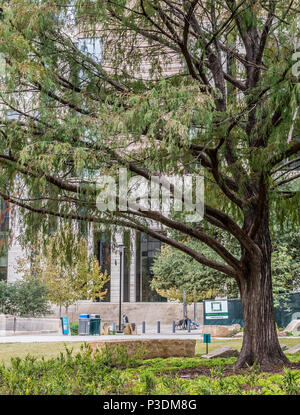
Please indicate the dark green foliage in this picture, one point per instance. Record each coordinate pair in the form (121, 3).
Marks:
(290, 384)
(74, 328)
(24, 299)
(177, 270)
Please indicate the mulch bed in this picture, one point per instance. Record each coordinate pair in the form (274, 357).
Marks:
(229, 370)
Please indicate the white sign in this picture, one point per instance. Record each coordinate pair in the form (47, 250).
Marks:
(217, 309)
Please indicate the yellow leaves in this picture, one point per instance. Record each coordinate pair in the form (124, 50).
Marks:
(67, 279)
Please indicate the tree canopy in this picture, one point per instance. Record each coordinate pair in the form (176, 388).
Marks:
(169, 88)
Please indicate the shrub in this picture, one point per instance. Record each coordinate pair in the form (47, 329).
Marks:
(74, 328)
(24, 298)
(289, 383)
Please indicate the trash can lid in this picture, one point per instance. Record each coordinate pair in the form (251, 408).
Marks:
(94, 315)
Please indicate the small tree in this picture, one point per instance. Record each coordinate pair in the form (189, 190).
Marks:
(24, 298)
(66, 269)
(175, 271)
(285, 265)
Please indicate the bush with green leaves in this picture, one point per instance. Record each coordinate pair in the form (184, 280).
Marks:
(24, 299)
(111, 371)
(74, 326)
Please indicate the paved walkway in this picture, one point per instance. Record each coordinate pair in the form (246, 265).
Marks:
(151, 333)
(59, 338)
(47, 338)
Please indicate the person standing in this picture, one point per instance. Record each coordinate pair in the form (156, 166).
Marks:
(125, 318)
(187, 320)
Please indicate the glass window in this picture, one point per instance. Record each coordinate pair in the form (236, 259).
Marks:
(67, 14)
(4, 228)
(91, 46)
(103, 254)
(4, 216)
(12, 115)
(147, 247)
(293, 166)
(138, 266)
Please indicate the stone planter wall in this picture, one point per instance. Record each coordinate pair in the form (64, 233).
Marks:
(150, 348)
(11, 325)
(137, 312)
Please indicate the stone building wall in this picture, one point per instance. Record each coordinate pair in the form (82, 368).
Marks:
(137, 312)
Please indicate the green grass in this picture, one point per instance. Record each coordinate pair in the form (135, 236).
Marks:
(235, 344)
(51, 350)
(46, 350)
(79, 372)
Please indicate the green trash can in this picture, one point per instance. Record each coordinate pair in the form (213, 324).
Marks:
(95, 324)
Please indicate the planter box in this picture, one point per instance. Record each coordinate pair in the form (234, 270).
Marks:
(150, 347)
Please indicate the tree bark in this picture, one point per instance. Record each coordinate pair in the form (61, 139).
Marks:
(260, 340)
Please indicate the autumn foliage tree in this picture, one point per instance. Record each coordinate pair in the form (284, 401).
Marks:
(192, 86)
(63, 266)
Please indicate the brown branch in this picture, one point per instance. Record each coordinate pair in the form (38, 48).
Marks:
(184, 248)
(290, 179)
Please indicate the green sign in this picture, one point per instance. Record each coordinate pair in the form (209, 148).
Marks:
(206, 338)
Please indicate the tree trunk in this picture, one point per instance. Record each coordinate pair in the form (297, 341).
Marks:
(260, 341)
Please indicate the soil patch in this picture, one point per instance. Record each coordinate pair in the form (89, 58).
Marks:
(229, 370)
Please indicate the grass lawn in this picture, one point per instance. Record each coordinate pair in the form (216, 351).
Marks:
(47, 350)
(76, 371)
(50, 350)
(236, 344)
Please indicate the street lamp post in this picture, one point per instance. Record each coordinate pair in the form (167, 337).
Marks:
(121, 250)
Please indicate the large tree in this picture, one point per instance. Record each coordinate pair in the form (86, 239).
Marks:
(182, 85)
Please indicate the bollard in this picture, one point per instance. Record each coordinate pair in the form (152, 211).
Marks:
(173, 327)
(158, 327)
(143, 327)
(114, 328)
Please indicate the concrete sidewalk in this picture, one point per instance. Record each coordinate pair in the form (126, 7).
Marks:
(60, 338)
(150, 330)
(46, 338)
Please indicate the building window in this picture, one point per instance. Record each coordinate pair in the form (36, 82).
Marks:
(12, 115)
(146, 249)
(4, 228)
(92, 47)
(126, 264)
(296, 164)
(103, 254)
(84, 73)
(138, 278)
